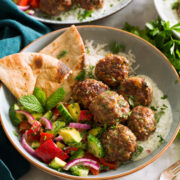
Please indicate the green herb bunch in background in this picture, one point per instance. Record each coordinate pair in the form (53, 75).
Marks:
(160, 34)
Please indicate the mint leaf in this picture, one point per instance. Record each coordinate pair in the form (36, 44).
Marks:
(55, 98)
(40, 95)
(31, 103)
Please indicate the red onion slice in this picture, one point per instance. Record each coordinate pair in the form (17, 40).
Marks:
(59, 138)
(80, 161)
(23, 8)
(29, 117)
(46, 122)
(27, 147)
(80, 126)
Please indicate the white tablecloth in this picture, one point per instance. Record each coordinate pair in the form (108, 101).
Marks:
(137, 13)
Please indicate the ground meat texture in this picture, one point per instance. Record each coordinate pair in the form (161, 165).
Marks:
(109, 108)
(138, 89)
(54, 7)
(85, 91)
(119, 143)
(142, 122)
(90, 4)
(112, 69)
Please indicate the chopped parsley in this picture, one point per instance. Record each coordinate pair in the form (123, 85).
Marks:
(85, 14)
(81, 76)
(113, 79)
(62, 54)
(113, 127)
(130, 100)
(138, 151)
(115, 47)
(153, 108)
(90, 72)
(103, 167)
(15, 133)
(105, 127)
(161, 139)
(87, 50)
(158, 115)
(164, 96)
(59, 19)
(164, 107)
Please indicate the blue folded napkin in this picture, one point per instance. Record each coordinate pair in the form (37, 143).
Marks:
(16, 31)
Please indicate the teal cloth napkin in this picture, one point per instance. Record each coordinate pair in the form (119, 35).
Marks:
(16, 31)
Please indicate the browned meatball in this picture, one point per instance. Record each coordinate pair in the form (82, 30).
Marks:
(54, 7)
(109, 108)
(138, 88)
(90, 4)
(112, 69)
(119, 143)
(85, 91)
(142, 122)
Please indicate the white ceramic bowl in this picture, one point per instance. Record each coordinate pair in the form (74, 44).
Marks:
(152, 63)
(165, 11)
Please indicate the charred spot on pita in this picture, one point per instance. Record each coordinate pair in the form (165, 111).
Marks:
(38, 62)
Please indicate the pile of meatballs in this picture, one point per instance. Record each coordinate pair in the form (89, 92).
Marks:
(55, 7)
(126, 123)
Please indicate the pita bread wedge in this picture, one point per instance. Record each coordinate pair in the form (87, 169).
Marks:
(22, 72)
(69, 48)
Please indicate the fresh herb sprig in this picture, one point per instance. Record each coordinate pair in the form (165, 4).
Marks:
(160, 34)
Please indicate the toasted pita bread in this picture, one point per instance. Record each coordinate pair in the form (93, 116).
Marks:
(71, 43)
(22, 72)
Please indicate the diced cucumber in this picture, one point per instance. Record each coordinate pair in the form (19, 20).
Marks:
(70, 135)
(48, 115)
(74, 110)
(96, 131)
(57, 125)
(95, 146)
(79, 170)
(60, 145)
(77, 154)
(57, 163)
(35, 144)
(15, 118)
(37, 116)
(65, 114)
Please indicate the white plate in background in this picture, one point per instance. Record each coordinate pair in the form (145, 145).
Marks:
(165, 11)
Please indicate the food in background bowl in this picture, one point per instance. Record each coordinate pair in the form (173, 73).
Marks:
(176, 6)
(68, 10)
(63, 129)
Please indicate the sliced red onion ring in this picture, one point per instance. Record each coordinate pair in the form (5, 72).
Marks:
(80, 126)
(81, 161)
(27, 147)
(46, 122)
(59, 138)
(23, 8)
(29, 117)
(90, 164)
(30, 12)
